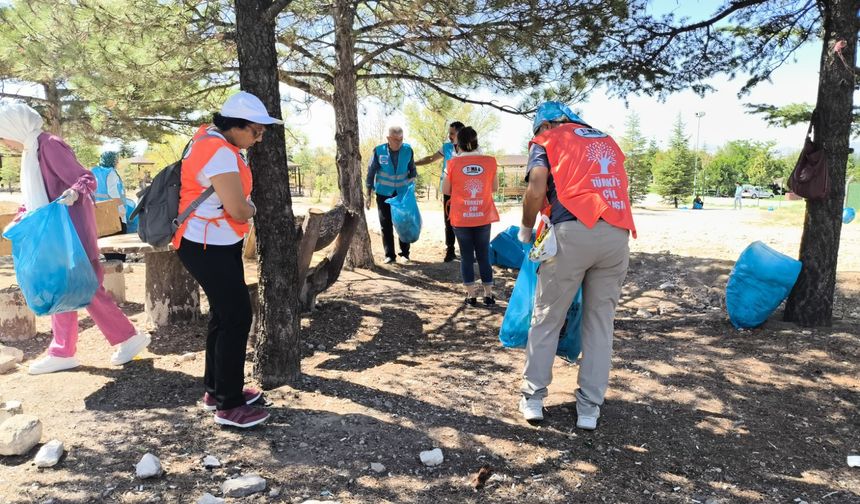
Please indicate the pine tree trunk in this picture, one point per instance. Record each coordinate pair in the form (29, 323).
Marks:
(347, 134)
(277, 348)
(53, 112)
(811, 302)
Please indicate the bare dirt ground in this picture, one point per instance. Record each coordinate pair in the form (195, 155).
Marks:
(395, 364)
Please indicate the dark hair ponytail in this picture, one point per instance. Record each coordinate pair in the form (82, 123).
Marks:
(467, 139)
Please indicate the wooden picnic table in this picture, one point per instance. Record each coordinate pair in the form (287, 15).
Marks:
(171, 293)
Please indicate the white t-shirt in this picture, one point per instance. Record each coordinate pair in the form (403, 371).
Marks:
(220, 232)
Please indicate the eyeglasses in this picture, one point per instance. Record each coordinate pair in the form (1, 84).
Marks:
(257, 130)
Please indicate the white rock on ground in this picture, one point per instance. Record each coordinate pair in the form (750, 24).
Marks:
(49, 454)
(19, 434)
(9, 409)
(243, 485)
(187, 357)
(377, 467)
(314, 501)
(7, 364)
(208, 498)
(14, 352)
(148, 467)
(210, 462)
(432, 457)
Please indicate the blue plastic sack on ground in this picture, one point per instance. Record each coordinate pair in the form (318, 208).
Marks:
(52, 268)
(761, 279)
(131, 224)
(405, 214)
(848, 215)
(506, 249)
(515, 326)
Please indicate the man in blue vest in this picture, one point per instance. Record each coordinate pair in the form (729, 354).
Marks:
(445, 153)
(392, 168)
(109, 186)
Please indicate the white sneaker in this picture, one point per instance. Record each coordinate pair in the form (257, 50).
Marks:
(52, 364)
(586, 422)
(532, 409)
(128, 349)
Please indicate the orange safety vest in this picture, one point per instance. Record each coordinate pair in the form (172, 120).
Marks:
(587, 167)
(471, 180)
(203, 147)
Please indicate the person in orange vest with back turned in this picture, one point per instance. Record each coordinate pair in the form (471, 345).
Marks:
(471, 182)
(209, 244)
(580, 170)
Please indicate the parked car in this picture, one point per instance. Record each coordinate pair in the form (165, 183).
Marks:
(755, 192)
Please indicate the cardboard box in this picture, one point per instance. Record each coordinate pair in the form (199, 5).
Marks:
(5, 245)
(107, 217)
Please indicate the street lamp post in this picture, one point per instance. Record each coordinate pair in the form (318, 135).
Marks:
(696, 156)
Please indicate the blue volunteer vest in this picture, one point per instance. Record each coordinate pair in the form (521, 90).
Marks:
(447, 153)
(101, 174)
(388, 180)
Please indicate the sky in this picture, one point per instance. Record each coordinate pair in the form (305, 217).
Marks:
(724, 118)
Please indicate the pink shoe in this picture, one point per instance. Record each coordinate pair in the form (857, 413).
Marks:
(251, 396)
(243, 417)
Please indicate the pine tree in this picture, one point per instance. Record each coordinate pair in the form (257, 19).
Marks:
(637, 162)
(673, 175)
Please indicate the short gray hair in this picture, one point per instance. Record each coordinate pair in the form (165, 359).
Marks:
(395, 131)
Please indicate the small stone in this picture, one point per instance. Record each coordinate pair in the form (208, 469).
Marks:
(148, 467)
(243, 486)
(667, 286)
(321, 348)
(314, 501)
(188, 357)
(13, 352)
(49, 454)
(275, 492)
(7, 364)
(377, 467)
(19, 434)
(208, 498)
(9, 409)
(432, 457)
(643, 313)
(210, 462)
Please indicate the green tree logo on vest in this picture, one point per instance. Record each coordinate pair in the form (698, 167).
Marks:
(602, 153)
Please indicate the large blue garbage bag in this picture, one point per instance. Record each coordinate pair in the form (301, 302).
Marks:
(506, 249)
(515, 326)
(51, 265)
(131, 224)
(761, 279)
(405, 214)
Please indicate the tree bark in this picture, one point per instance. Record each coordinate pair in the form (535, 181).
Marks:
(345, 103)
(53, 108)
(277, 358)
(811, 301)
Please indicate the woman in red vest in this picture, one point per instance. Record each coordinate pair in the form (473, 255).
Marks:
(471, 182)
(209, 244)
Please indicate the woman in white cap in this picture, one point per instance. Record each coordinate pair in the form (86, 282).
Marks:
(209, 244)
(49, 170)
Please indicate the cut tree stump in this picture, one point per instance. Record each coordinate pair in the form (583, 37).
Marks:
(17, 321)
(172, 294)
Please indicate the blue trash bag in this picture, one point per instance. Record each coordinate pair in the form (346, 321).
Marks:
(51, 265)
(761, 279)
(518, 316)
(131, 224)
(405, 214)
(848, 215)
(506, 249)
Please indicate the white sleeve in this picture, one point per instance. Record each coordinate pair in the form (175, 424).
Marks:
(113, 185)
(223, 161)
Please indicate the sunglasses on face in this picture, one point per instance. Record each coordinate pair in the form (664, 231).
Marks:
(257, 130)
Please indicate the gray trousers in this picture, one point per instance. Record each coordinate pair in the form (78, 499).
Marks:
(597, 259)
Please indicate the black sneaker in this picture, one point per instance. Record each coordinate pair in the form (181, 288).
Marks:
(489, 300)
(449, 255)
(471, 301)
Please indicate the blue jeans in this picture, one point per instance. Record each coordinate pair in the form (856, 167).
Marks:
(474, 243)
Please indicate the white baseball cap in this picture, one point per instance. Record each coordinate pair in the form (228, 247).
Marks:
(246, 106)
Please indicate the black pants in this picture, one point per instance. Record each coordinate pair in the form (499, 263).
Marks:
(118, 257)
(449, 229)
(220, 271)
(385, 223)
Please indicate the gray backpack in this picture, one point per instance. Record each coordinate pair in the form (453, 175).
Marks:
(158, 206)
